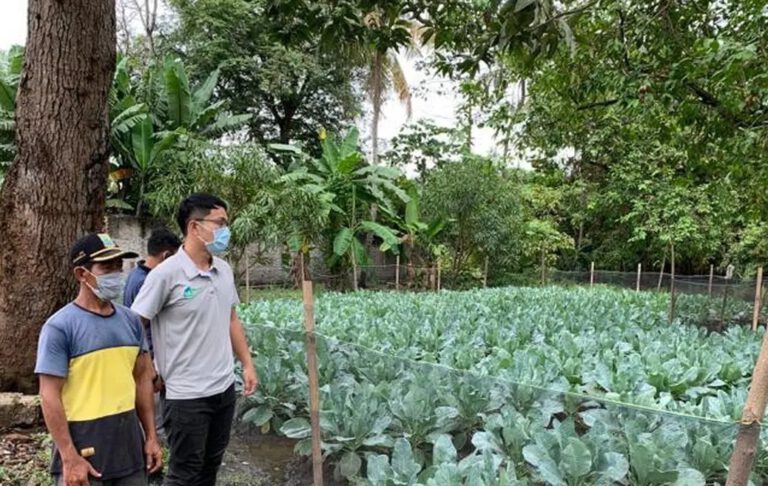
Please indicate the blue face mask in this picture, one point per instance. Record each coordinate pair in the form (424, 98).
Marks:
(220, 241)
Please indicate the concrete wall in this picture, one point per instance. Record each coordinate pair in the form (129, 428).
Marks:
(128, 232)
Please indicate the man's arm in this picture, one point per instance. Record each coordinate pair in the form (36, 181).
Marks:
(240, 346)
(143, 373)
(75, 469)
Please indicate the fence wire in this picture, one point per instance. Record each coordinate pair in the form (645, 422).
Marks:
(387, 417)
(714, 302)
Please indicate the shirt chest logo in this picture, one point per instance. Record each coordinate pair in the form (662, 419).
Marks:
(191, 292)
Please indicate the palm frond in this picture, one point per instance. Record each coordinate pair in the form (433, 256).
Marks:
(226, 122)
(400, 83)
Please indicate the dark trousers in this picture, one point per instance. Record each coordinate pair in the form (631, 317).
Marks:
(136, 479)
(198, 434)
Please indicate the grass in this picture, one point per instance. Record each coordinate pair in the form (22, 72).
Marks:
(276, 293)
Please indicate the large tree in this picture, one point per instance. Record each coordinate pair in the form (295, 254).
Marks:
(54, 191)
(275, 62)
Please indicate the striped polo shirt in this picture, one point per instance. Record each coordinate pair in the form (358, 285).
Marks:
(96, 355)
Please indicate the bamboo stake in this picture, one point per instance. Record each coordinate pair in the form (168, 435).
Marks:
(439, 276)
(397, 273)
(543, 269)
(314, 385)
(247, 277)
(485, 273)
(639, 273)
(354, 270)
(725, 302)
(672, 283)
(758, 298)
(592, 274)
(711, 277)
(661, 272)
(749, 431)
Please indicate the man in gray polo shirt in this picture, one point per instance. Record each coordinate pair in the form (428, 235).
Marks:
(190, 301)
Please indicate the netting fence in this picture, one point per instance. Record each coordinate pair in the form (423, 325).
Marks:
(712, 301)
(392, 419)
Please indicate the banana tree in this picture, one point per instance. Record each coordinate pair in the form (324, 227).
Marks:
(353, 186)
(419, 237)
(191, 109)
(154, 114)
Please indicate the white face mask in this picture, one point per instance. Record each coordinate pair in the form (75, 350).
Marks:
(108, 286)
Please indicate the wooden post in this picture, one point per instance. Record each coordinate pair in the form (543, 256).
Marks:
(711, 278)
(543, 268)
(639, 273)
(485, 273)
(397, 273)
(314, 385)
(758, 298)
(672, 283)
(661, 272)
(439, 276)
(749, 430)
(592, 274)
(247, 277)
(354, 269)
(728, 275)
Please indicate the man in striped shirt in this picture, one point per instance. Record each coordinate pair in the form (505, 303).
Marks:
(96, 378)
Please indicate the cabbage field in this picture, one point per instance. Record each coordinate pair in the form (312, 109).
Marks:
(507, 386)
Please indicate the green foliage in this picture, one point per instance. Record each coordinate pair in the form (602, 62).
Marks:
(10, 72)
(350, 187)
(457, 387)
(154, 114)
(648, 119)
(424, 146)
(242, 175)
(482, 203)
(273, 64)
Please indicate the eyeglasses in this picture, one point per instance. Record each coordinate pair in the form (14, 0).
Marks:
(221, 223)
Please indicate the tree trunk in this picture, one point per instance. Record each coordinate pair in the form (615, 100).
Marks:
(377, 94)
(55, 190)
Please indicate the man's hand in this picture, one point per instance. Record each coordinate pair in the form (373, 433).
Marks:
(157, 383)
(154, 455)
(250, 380)
(75, 471)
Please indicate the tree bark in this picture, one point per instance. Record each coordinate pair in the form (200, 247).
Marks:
(55, 189)
(377, 95)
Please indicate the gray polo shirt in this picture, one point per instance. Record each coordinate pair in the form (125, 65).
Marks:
(190, 312)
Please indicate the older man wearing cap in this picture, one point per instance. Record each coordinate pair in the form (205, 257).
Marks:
(96, 378)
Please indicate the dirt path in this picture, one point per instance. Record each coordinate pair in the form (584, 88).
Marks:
(252, 459)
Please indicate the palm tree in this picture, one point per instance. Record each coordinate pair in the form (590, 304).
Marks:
(387, 33)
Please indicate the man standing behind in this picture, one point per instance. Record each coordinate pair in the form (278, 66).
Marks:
(95, 375)
(162, 243)
(190, 301)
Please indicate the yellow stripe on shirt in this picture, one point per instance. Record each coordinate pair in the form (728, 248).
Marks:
(100, 384)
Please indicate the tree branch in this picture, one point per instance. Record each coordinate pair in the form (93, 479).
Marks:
(623, 34)
(710, 100)
(568, 13)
